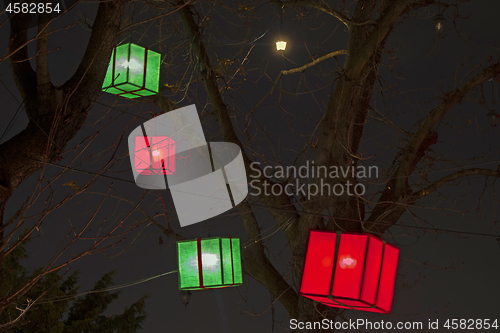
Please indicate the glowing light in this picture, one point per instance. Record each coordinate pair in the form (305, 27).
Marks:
(347, 262)
(439, 23)
(135, 66)
(210, 259)
(280, 45)
(155, 155)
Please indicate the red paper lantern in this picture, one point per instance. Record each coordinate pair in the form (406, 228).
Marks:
(154, 155)
(350, 270)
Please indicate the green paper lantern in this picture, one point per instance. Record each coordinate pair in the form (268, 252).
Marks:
(133, 71)
(209, 263)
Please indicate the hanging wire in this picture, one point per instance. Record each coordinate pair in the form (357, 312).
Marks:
(129, 284)
(493, 94)
(311, 213)
(281, 20)
(132, 22)
(386, 223)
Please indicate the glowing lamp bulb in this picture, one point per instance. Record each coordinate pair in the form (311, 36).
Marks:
(439, 23)
(280, 45)
(134, 65)
(209, 259)
(347, 262)
(156, 155)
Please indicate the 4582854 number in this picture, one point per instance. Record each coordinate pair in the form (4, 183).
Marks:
(471, 324)
(33, 8)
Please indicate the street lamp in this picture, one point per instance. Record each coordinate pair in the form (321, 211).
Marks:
(280, 45)
(185, 297)
(493, 118)
(439, 22)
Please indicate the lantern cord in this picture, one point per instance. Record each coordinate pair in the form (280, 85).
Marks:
(437, 230)
(317, 214)
(281, 19)
(132, 23)
(493, 94)
(58, 299)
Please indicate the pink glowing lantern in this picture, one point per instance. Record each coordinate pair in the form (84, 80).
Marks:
(154, 155)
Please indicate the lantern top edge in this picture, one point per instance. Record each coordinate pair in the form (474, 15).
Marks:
(207, 238)
(134, 44)
(354, 233)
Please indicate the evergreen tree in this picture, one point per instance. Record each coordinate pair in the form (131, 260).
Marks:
(58, 310)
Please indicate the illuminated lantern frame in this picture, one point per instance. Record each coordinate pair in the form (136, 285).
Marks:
(209, 263)
(350, 270)
(154, 155)
(133, 71)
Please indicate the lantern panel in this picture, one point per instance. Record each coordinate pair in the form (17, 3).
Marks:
(134, 71)
(211, 262)
(119, 72)
(350, 266)
(373, 266)
(153, 71)
(187, 255)
(387, 278)
(136, 64)
(318, 267)
(227, 262)
(237, 271)
(163, 154)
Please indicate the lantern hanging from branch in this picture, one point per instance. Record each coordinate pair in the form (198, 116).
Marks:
(350, 270)
(209, 263)
(493, 118)
(133, 71)
(439, 22)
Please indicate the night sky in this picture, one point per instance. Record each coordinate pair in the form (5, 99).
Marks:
(440, 275)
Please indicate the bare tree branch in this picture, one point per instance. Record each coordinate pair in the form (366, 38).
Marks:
(256, 262)
(322, 6)
(397, 190)
(312, 63)
(454, 176)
